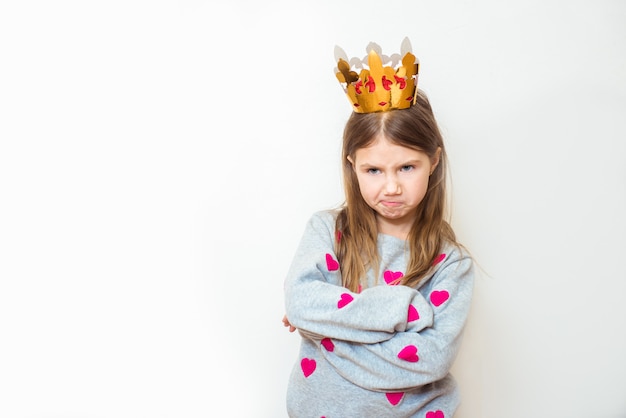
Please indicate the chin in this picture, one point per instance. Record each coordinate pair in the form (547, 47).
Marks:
(393, 215)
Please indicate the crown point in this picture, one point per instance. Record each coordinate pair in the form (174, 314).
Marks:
(373, 47)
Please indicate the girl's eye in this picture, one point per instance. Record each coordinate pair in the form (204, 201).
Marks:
(407, 168)
(373, 171)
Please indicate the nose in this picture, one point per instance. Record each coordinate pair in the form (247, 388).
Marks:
(392, 186)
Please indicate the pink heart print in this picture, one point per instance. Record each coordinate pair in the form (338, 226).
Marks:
(345, 299)
(394, 397)
(439, 259)
(328, 344)
(438, 297)
(409, 353)
(413, 314)
(308, 366)
(391, 276)
(435, 414)
(331, 263)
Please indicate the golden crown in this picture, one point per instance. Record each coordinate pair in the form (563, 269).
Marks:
(379, 88)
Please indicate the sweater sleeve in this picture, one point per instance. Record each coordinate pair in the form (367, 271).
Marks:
(413, 358)
(319, 307)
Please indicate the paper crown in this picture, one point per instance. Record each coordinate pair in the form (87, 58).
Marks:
(379, 88)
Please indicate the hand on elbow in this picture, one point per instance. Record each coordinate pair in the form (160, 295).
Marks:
(286, 323)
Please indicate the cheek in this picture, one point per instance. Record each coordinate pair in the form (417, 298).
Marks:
(420, 187)
(367, 184)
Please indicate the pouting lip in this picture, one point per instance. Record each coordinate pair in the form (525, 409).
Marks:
(390, 203)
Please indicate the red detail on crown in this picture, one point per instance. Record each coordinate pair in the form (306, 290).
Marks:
(408, 99)
(371, 84)
(386, 83)
(382, 103)
(401, 81)
(357, 86)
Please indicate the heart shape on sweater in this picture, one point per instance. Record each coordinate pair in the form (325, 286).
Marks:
(331, 263)
(308, 366)
(439, 259)
(409, 353)
(435, 414)
(391, 276)
(438, 297)
(394, 397)
(413, 314)
(344, 300)
(328, 344)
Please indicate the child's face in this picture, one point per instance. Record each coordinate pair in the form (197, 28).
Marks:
(393, 181)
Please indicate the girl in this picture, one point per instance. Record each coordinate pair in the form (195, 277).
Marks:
(380, 289)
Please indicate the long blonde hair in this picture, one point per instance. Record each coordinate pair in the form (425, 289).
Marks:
(356, 249)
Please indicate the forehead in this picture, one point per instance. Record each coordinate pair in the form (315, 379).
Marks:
(382, 150)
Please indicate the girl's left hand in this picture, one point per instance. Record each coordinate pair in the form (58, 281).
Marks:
(287, 324)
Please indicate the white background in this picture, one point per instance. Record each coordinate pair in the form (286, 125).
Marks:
(159, 159)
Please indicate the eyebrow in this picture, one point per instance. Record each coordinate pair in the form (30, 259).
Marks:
(410, 162)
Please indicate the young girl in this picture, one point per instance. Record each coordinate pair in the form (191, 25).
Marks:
(380, 289)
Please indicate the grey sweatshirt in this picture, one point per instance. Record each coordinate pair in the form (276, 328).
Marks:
(385, 351)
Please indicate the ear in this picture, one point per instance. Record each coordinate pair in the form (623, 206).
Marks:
(351, 161)
(435, 160)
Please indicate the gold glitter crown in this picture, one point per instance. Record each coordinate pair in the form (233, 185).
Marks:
(379, 88)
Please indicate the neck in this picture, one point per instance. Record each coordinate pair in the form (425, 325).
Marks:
(395, 229)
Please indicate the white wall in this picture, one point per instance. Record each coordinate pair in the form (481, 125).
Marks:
(158, 161)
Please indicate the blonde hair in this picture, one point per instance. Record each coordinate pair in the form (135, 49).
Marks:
(356, 249)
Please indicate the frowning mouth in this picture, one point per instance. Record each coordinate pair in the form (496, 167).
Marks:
(390, 203)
